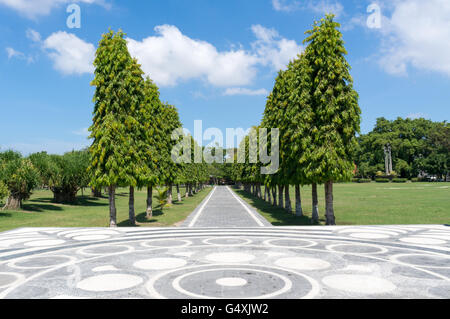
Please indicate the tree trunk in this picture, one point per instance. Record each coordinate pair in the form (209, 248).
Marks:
(64, 196)
(169, 195)
(149, 202)
(265, 194)
(269, 197)
(280, 196)
(259, 190)
(287, 198)
(131, 214)
(112, 206)
(187, 190)
(274, 195)
(178, 192)
(96, 192)
(315, 205)
(329, 210)
(298, 201)
(13, 203)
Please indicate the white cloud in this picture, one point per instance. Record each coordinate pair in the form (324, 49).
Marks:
(170, 57)
(417, 35)
(326, 6)
(318, 6)
(82, 132)
(245, 91)
(33, 35)
(272, 49)
(70, 54)
(35, 8)
(285, 5)
(13, 53)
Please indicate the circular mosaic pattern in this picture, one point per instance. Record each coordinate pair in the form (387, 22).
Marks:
(111, 282)
(359, 284)
(293, 263)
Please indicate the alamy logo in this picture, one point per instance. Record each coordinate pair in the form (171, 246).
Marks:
(374, 20)
(74, 19)
(256, 151)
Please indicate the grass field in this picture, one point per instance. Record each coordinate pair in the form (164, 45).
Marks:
(39, 211)
(368, 204)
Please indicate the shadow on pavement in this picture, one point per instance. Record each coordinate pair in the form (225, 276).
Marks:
(281, 217)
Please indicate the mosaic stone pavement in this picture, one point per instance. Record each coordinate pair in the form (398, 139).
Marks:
(259, 262)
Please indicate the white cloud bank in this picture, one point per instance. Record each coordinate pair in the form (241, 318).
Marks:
(417, 35)
(70, 54)
(170, 57)
(35, 8)
(317, 6)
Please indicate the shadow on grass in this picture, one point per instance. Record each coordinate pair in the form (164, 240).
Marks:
(40, 208)
(87, 201)
(279, 215)
(5, 215)
(142, 219)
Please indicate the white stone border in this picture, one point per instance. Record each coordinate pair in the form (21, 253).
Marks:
(252, 215)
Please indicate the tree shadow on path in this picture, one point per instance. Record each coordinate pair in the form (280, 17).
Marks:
(279, 216)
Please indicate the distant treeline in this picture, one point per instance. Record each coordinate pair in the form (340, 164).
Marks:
(419, 148)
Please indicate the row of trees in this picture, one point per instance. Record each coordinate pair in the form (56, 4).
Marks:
(132, 131)
(315, 108)
(419, 147)
(64, 175)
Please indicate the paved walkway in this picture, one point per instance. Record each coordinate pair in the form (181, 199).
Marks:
(226, 250)
(223, 208)
(258, 262)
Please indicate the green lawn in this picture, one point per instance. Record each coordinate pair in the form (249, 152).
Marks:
(39, 211)
(369, 204)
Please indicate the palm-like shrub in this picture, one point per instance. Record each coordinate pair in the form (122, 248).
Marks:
(161, 196)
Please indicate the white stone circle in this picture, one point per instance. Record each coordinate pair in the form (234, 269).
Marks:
(109, 282)
(160, 263)
(360, 284)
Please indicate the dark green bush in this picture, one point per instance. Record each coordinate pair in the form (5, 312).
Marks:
(399, 180)
(364, 180)
(382, 180)
(415, 180)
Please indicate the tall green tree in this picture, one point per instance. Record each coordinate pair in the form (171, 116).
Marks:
(334, 103)
(152, 118)
(115, 152)
(296, 147)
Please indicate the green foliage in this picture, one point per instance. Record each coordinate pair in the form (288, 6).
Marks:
(18, 174)
(161, 196)
(382, 180)
(364, 180)
(418, 146)
(399, 180)
(334, 103)
(118, 136)
(64, 175)
(4, 192)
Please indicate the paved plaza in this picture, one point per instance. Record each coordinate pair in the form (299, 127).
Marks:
(239, 258)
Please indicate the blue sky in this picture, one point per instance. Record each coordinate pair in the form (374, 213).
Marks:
(214, 60)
